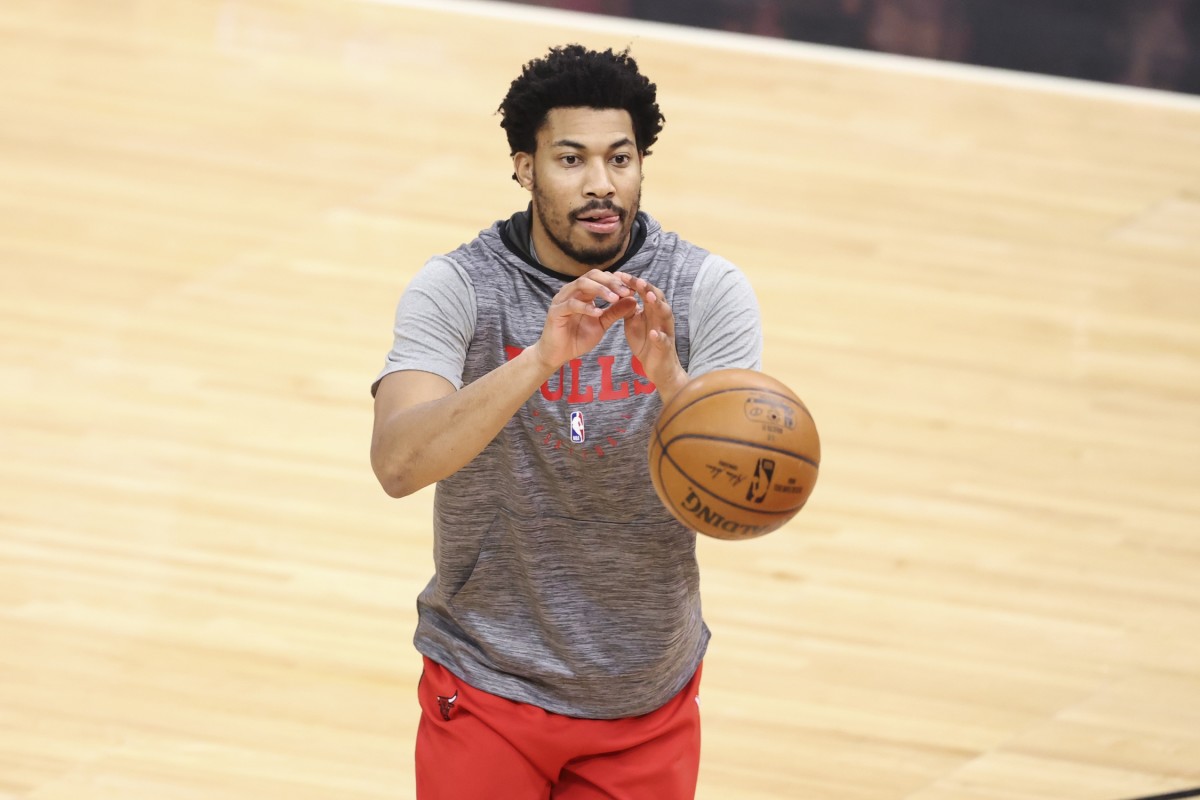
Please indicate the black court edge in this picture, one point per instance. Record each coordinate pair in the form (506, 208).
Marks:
(1172, 795)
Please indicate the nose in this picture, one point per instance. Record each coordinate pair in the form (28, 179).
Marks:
(598, 182)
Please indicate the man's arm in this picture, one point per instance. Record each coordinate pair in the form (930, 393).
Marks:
(425, 431)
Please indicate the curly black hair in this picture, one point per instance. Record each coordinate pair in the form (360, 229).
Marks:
(574, 77)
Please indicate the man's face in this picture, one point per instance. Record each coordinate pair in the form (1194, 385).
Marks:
(586, 180)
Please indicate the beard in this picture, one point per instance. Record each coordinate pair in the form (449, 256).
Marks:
(559, 230)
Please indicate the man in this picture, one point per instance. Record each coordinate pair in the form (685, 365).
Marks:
(562, 632)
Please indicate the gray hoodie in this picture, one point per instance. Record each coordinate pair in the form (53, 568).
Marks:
(561, 581)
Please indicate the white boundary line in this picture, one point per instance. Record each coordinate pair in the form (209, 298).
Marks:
(800, 51)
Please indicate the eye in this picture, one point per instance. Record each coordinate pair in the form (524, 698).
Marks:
(571, 160)
(621, 159)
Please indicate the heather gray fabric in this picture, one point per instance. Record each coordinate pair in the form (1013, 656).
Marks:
(561, 581)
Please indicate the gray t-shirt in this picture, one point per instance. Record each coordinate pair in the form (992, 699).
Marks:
(561, 580)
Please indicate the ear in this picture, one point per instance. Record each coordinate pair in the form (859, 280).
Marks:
(523, 169)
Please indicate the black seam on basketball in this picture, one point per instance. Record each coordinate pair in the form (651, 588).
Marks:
(753, 445)
(666, 496)
(698, 486)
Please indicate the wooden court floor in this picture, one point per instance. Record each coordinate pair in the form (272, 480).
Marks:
(988, 293)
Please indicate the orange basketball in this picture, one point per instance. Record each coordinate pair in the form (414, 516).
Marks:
(734, 454)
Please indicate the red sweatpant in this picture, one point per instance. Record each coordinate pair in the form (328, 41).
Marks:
(472, 745)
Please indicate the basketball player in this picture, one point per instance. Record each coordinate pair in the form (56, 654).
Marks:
(561, 634)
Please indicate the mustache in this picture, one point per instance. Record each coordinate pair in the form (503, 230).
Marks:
(600, 205)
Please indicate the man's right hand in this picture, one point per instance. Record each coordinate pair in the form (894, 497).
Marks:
(575, 324)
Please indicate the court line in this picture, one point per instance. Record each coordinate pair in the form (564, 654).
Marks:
(1173, 795)
(802, 51)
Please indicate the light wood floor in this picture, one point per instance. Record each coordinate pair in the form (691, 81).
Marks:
(988, 295)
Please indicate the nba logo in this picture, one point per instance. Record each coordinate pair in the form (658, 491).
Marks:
(577, 434)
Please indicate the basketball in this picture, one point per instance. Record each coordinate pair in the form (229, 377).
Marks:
(735, 454)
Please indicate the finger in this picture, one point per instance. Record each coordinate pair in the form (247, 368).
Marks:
(597, 284)
(635, 321)
(625, 308)
(574, 305)
(588, 291)
(647, 291)
(658, 310)
(618, 282)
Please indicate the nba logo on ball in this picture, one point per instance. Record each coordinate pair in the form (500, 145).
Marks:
(577, 434)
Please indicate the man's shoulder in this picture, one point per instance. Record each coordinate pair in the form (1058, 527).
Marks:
(669, 247)
(481, 248)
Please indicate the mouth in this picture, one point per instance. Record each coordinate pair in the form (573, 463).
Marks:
(600, 222)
